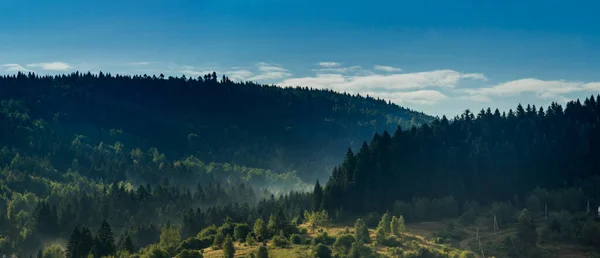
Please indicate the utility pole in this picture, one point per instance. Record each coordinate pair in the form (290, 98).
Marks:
(495, 223)
(477, 235)
(481, 247)
(587, 210)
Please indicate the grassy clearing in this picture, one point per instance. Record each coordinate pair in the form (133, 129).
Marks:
(417, 236)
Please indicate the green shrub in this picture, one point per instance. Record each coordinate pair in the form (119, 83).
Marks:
(296, 239)
(189, 254)
(194, 243)
(280, 241)
(304, 231)
(262, 252)
(219, 239)
(208, 231)
(321, 251)
(343, 243)
(323, 238)
(241, 231)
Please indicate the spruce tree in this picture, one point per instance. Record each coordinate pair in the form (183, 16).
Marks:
(317, 197)
(128, 245)
(385, 223)
(73, 244)
(105, 242)
(361, 232)
(394, 227)
(228, 248)
(380, 236)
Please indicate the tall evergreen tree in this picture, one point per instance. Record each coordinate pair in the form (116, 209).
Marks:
(361, 232)
(317, 196)
(105, 242)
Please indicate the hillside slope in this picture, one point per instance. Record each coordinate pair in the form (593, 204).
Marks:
(282, 129)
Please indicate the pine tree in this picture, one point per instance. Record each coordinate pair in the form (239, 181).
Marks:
(73, 244)
(128, 245)
(401, 224)
(361, 232)
(394, 227)
(385, 223)
(317, 197)
(380, 236)
(105, 242)
(228, 248)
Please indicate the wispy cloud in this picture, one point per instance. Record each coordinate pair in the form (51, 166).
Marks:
(239, 75)
(392, 82)
(550, 90)
(270, 72)
(13, 68)
(329, 64)
(397, 87)
(424, 97)
(386, 68)
(54, 66)
(338, 69)
(141, 63)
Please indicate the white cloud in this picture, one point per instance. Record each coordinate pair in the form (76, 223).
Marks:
(551, 90)
(239, 75)
(423, 97)
(329, 64)
(141, 63)
(338, 69)
(13, 68)
(386, 68)
(270, 76)
(477, 98)
(392, 82)
(54, 66)
(270, 72)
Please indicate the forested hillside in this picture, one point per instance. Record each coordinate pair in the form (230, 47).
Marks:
(484, 157)
(140, 152)
(216, 120)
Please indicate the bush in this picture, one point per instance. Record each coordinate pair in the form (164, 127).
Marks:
(280, 241)
(189, 254)
(296, 239)
(321, 251)
(323, 238)
(208, 231)
(219, 239)
(262, 252)
(250, 239)
(194, 243)
(392, 241)
(241, 231)
(343, 244)
(155, 251)
(303, 231)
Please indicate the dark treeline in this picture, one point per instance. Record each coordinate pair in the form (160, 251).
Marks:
(485, 157)
(282, 129)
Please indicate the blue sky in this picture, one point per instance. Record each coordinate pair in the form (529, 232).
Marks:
(440, 57)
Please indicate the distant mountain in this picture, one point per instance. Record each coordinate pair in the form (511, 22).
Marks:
(215, 120)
